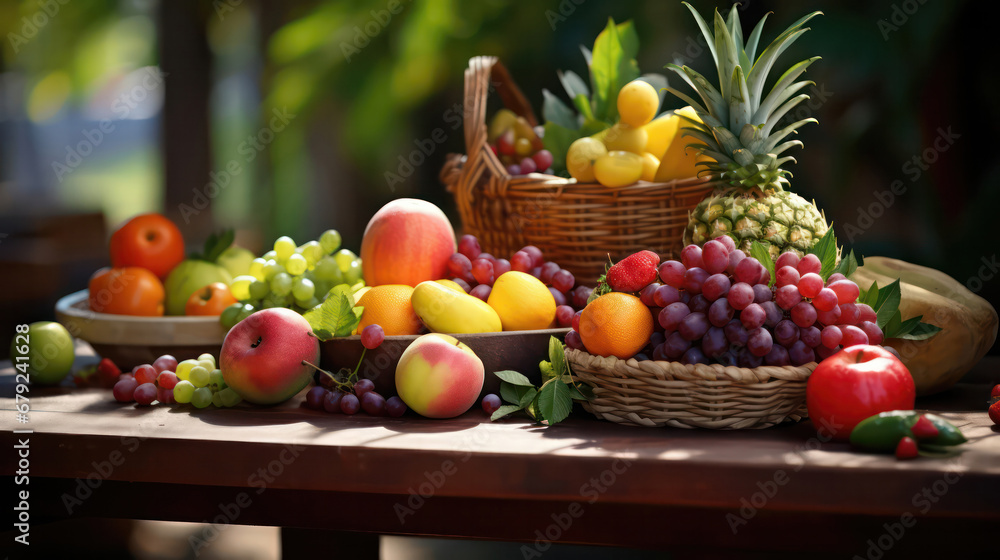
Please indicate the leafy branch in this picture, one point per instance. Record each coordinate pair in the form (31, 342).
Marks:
(553, 401)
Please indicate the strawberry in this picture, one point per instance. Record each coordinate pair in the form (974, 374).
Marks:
(995, 393)
(634, 272)
(924, 428)
(906, 448)
(995, 410)
(109, 372)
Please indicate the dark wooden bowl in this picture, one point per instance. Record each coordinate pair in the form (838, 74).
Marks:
(517, 350)
(129, 341)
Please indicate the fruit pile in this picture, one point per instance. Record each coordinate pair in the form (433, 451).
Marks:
(478, 273)
(719, 305)
(518, 145)
(619, 136)
(166, 381)
(150, 276)
(293, 276)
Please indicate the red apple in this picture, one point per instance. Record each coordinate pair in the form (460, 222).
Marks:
(855, 383)
(262, 356)
(407, 242)
(439, 377)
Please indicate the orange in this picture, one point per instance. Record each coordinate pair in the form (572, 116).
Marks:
(616, 324)
(388, 306)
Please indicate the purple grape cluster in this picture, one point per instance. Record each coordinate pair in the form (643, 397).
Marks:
(716, 305)
(363, 397)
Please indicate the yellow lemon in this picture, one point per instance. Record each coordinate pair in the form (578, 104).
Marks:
(637, 103)
(522, 302)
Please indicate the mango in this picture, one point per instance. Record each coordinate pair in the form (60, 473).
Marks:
(445, 310)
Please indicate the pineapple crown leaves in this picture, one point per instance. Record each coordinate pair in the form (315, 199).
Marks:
(739, 105)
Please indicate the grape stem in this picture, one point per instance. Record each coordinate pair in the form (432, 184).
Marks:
(345, 386)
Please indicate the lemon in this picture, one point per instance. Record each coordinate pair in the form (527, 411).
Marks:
(522, 302)
(637, 103)
(580, 158)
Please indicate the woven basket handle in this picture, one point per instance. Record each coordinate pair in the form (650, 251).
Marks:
(486, 73)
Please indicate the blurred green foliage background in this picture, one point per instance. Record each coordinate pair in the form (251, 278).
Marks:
(364, 85)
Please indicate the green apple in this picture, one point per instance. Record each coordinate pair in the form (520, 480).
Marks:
(49, 352)
(187, 278)
(236, 260)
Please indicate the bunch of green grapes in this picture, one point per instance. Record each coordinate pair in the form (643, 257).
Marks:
(297, 277)
(200, 383)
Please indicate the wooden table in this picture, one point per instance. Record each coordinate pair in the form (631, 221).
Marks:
(693, 492)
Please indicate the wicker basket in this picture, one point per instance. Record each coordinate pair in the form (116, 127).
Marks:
(578, 225)
(672, 394)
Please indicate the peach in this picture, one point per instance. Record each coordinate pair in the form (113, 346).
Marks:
(261, 357)
(439, 377)
(407, 242)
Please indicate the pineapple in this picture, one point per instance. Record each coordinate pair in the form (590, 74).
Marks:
(752, 201)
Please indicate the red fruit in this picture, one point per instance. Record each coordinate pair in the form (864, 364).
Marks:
(906, 448)
(995, 412)
(924, 428)
(856, 383)
(995, 393)
(634, 272)
(108, 372)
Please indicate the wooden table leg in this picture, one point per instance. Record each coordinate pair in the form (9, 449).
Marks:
(305, 543)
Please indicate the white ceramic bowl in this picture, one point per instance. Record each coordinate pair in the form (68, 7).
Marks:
(129, 341)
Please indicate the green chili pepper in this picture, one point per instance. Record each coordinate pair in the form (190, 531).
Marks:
(882, 432)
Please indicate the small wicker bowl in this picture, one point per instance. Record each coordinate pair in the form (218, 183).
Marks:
(654, 394)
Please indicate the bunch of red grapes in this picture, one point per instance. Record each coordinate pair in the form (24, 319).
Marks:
(476, 272)
(716, 306)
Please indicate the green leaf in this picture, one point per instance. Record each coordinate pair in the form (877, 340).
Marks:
(759, 252)
(554, 110)
(582, 104)
(336, 316)
(888, 303)
(215, 245)
(514, 378)
(871, 296)
(517, 394)
(922, 331)
(893, 325)
(847, 265)
(573, 84)
(904, 327)
(612, 66)
(505, 410)
(586, 390)
(826, 251)
(557, 355)
(554, 401)
(575, 393)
